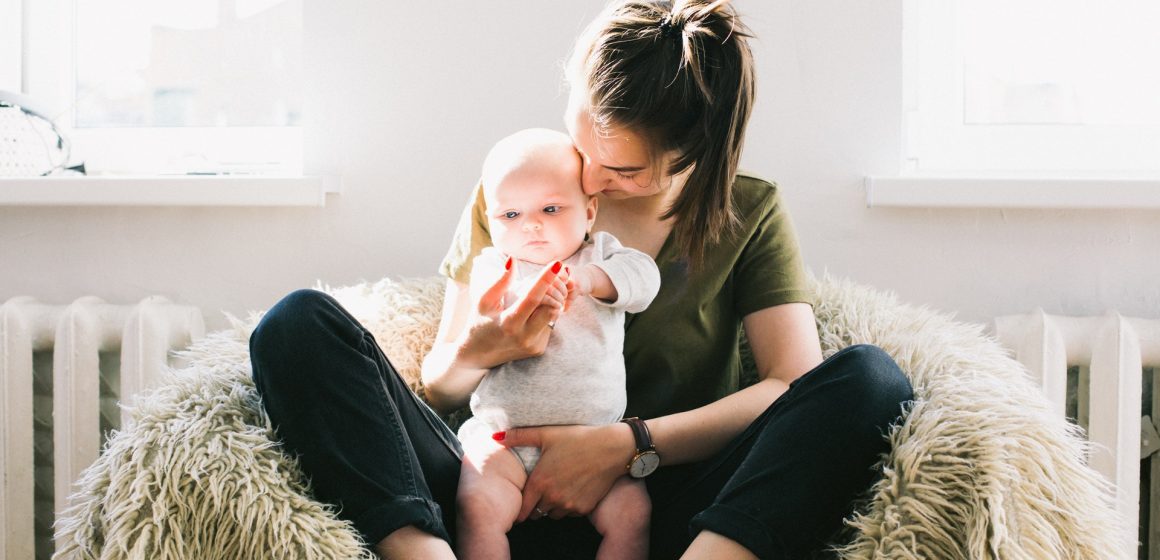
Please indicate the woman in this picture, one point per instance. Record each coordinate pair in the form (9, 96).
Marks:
(660, 97)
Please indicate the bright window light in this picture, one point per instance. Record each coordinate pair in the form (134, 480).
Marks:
(142, 87)
(1032, 86)
(1061, 62)
(169, 63)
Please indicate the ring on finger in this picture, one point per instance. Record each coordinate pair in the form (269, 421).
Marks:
(539, 512)
(551, 325)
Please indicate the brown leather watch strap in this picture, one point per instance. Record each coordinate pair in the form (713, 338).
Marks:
(640, 433)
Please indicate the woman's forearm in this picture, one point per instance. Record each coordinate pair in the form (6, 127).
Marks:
(697, 434)
(448, 383)
(453, 369)
(785, 346)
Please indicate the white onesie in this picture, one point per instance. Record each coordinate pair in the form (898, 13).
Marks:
(580, 377)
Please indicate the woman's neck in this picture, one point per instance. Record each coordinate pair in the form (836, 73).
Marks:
(637, 221)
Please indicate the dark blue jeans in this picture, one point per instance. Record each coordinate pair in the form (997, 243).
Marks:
(386, 460)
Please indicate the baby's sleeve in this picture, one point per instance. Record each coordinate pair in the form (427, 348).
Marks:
(633, 273)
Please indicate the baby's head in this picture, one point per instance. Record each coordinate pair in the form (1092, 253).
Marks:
(536, 210)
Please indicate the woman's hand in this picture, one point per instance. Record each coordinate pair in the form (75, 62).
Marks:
(504, 331)
(577, 466)
(476, 334)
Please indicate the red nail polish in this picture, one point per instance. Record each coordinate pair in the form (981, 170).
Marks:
(568, 269)
(498, 436)
(556, 267)
(508, 264)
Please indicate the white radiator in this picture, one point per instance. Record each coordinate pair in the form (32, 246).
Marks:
(1110, 355)
(62, 371)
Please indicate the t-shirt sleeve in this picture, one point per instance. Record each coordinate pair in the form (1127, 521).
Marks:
(633, 273)
(769, 270)
(471, 236)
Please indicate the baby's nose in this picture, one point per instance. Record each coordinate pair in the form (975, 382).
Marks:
(532, 225)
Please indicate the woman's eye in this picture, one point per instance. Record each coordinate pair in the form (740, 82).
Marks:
(625, 176)
(511, 214)
(551, 209)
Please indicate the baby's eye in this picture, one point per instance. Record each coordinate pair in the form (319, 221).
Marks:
(551, 209)
(510, 214)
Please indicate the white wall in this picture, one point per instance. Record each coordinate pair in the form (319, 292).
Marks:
(404, 100)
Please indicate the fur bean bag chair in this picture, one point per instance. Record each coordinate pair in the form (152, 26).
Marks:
(980, 467)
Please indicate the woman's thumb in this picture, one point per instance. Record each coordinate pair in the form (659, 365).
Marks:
(517, 437)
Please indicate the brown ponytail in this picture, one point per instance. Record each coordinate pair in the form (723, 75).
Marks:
(681, 74)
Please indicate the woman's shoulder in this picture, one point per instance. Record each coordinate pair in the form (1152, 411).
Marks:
(752, 193)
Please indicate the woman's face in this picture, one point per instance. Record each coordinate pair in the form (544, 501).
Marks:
(615, 163)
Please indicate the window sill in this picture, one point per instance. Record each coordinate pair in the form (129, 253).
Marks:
(219, 190)
(1012, 192)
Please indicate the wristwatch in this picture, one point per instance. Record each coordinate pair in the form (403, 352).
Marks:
(646, 459)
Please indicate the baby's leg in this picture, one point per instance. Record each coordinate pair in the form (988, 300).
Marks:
(622, 518)
(489, 499)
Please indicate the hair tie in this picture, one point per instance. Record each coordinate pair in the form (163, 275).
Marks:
(670, 29)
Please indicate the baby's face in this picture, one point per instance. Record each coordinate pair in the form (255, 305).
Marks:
(539, 213)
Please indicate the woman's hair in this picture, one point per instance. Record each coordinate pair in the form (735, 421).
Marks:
(681, 75)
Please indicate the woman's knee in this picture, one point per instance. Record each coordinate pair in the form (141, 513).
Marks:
(292, 322)
(300, 329)
(875, 379)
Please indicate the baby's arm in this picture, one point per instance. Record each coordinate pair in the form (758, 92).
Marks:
(592, 281)
(621, 276)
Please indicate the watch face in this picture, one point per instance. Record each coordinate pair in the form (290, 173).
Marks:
(644, 464)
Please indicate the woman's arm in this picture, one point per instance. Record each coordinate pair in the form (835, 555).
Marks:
(476, 336)
(785, 345)
(586, 460)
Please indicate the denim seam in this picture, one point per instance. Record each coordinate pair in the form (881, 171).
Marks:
(399, 438)
(440, 429)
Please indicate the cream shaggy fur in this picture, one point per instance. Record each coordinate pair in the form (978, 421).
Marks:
(980, 468)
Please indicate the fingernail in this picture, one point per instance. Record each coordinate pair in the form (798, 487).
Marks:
(508, 264)
(556, 267)
(498, 436)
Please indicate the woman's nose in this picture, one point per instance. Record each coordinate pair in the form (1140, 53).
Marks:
(590, 180)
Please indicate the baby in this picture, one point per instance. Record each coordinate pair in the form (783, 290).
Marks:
(538, 215)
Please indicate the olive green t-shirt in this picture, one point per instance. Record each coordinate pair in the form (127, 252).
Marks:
(682, 352)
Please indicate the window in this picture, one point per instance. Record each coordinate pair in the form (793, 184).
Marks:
(1032, 86)
(165, 86)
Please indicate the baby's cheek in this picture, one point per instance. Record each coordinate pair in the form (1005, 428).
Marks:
(500, 238)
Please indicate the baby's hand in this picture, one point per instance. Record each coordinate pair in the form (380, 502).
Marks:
(590, 281)
(579, 283)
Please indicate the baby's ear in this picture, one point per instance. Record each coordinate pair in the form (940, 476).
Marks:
(592, 206)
